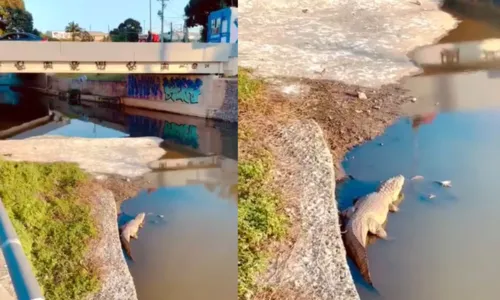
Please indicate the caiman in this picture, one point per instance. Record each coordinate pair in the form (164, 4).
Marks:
(130, 230)
(368, 215)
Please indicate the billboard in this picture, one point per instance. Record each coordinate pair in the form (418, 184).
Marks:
(223, 26)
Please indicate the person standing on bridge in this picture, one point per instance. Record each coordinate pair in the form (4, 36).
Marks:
(148, 40)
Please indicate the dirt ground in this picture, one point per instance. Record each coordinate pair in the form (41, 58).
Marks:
(347, 120)
(123, 188)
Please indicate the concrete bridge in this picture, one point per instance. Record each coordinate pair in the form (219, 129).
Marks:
(118, 58)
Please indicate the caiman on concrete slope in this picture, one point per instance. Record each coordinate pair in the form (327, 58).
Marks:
(130, 230)
(368, 215)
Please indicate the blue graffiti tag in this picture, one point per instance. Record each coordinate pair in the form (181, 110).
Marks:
(143, 86)
(182, 89)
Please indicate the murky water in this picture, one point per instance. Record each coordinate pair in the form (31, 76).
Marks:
(188, 247)
(444, 247)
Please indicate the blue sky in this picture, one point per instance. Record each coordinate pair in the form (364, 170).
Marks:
(98, 14)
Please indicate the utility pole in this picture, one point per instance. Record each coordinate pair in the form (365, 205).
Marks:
(161, 13)
(150, 24)
(171, 32)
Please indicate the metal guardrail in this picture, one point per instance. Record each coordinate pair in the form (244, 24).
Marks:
(21, 274)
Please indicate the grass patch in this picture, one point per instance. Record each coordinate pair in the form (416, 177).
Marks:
(53, 224)
(261, 220)
(94, 77)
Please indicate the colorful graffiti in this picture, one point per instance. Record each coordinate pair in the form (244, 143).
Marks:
(182, 89)
(184, 134)
(174, 89)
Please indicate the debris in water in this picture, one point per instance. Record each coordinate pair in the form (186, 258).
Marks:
(380, 144)
(161, 216)
(444, 183)
(362, 96)
(417, 177)
(431, 196)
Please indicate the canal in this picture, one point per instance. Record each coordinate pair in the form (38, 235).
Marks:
(187, 249)
(445, 239)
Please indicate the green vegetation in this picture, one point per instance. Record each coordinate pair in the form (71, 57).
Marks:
(74, 29)
(15, 18)
(128, 31)
(53, 223)
(261, 220)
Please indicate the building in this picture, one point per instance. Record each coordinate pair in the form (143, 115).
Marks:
(63, 35)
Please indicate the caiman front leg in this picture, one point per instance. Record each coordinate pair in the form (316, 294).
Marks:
(393, 208)
(378, 230)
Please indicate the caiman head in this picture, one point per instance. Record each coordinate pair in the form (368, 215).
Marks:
(140, 217)
(393, 187)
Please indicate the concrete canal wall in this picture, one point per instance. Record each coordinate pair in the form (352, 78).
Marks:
(205, 96)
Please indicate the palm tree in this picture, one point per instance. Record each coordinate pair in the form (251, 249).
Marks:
(74, 28)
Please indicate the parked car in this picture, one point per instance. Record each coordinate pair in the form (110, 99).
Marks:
(20, 36)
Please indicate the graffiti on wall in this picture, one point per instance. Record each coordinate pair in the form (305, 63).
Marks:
(175, 89)
(182, 89)
(184, 134)
(145, 87)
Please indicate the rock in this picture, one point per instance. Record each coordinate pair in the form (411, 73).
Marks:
(127, 157)
(362, 96)
(305, 10)
(413, 99)
(444, 183)
(358, 111)
(380, 144)
(417, 177)
(377, 107)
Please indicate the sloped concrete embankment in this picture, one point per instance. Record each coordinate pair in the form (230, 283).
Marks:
(128, 157)
(354, 41)
(316, 268)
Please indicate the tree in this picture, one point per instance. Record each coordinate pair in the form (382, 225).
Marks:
(75, 30)
(128, 31)
(86, 37)
(19, 4)
(197, 11)
(18, 20)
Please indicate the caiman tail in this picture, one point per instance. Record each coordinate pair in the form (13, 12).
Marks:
(358, 254)
(126, 246)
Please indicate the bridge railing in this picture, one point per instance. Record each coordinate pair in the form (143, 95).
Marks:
(21, 274)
